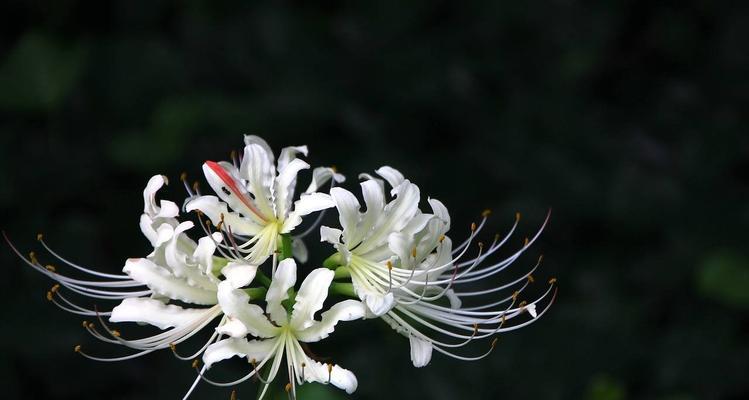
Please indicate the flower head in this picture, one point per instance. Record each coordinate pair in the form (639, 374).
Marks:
(255, 198)
(282, 326)
(404, 267)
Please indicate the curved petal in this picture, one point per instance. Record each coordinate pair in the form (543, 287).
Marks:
(203, 255)
(374, 198)
(258, 169)
(283, 280)
(397, 214)
(243, 316)
(421, 351)
(231, 190)
(377, 303)
(213, 208)
(310, 297)
(330, 235)
(252, 350)
(178, 258)
(239, 274)
(348, 214)
(322, 175)
(347, 310)
(333, 374)
(285, 185)
(163, 283)
(144, 310)
(167, 209)
(289, 153)
(390, 174)
(306, 205)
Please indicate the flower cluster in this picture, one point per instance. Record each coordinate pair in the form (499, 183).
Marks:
(389, 261)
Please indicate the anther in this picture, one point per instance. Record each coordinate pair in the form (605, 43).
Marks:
(473, 226)
(173, 347)
(481, 245)
(522, 304)
(183, 177)
(517, 216)
(486, 213)
(389, 264)
(288, 387)
(51, 268)
(552, 281)
(49, 295)
(91, 325)
(475, 329)
(330, 371)
(442, 238)
(334, 168)
(233, 395)
(196, 186)
(77, 348)
(413, 252)
(55, 288)
(525, 242)
(540, 258)
(32, 257)
(515, 296)
(531, 279)
(195, 363)
(85, 324)
(496, 237)
(115, 333)
(39, 237)
(494, 343)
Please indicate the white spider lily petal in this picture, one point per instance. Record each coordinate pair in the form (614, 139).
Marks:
(255, 201)
(290, 329)
(404, 268)
(154, 312)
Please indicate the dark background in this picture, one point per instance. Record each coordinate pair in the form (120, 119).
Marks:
(626, 117)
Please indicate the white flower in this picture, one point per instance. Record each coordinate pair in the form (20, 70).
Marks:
(280, 330)
(404, 268)
(255, 199)
(178, 269)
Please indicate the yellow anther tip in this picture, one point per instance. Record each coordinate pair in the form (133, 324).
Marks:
(525, 242)
(49, 296)
(486, 213)
(39, 237)
(523, 304)
(77, 348)
(413, 252)
(481, 245)
(473, 226)
(531, 279)
(233, 395)
(552, 281)
(116, 333)
(173, 346)
(330, 368)
(288, 387)
(442, 238)
(183, 176)
(85, 324)
(517, 216)
(51, 268)
(55, 288)
(494, 343)
(195, 363)
(334, 168)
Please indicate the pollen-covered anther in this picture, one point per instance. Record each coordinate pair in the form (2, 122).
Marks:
(195, 363)
(494, 343)
(552, 281)
(540, 258)
(39, 237)
(85, 324)
(486, 213)
(115, 333)
(183, 176)
(50, 268)
(32, 257)
(515, 295)
(473, 226)
(389, 264)
(288, 387)
(196, 186)
(522, 305)
(475, 329)
(233, 395)
(442, 238)
(481, 245)
(525, 242)
(531, 279)
(91, 325)
(55, 288)
(77, 348)
(413, 252)
(173, 347)
(330, 371)
(517, 216)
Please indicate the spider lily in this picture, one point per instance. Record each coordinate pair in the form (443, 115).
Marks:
(254, 199)
(405, 269)
(177, 269)
(286, 322)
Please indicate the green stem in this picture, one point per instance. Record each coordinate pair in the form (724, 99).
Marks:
(344, 289)
(285, 247)
(342, 272)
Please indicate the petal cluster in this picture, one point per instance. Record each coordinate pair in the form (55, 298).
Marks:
(229, 264)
